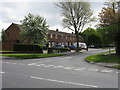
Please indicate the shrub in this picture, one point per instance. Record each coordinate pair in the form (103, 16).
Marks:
(58, 49)
(27, 47)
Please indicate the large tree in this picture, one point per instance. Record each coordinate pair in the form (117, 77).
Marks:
(91, 37)
(34, 29)
(110, 19)
(75, 16)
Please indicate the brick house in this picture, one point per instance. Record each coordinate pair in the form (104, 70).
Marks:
(12, 36)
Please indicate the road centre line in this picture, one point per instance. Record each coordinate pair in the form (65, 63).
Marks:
(65, 82)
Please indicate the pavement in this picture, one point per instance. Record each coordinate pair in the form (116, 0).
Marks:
(70, 71)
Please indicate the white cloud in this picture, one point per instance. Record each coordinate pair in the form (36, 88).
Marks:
(13, 12)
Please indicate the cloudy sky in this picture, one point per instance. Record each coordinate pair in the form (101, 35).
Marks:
(12, 11)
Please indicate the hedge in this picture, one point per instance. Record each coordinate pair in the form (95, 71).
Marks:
(27, 47)
(51, 50)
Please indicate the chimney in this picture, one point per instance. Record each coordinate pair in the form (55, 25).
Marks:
(56, 29)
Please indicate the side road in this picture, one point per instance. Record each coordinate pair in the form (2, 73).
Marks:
(89, 52)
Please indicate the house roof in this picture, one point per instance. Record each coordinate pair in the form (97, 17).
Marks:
(57, 32)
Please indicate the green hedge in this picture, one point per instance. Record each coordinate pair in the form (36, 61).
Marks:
(27, 47)
(51, 50)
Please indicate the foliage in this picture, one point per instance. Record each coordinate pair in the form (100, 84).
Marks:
(51, 50)
(34, 29)
(103, 58)
(91, 37)
(27, 47)
(3, 34)
(75, 16)
(110, 20)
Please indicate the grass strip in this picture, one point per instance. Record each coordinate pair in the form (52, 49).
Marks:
(29, 56)
(104, 58)
(116, 66)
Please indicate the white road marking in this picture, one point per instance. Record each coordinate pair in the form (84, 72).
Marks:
(2, 72)
(106, 70)
(60, 66)
(92, 69)
(71, 68)
(37, 65)
(82, 68)
(47, 66)
(13, 63)
(32, 64)
(42, 64)
(67, 68)
(58, 81)
(52, 65)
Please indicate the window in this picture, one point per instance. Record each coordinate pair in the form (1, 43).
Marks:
(66, 37)
(61, 36)
(70, 38)
(73, 38)
(51, 36)
(56, 36)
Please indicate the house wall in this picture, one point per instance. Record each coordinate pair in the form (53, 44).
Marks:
(7, 45)
(12, 33)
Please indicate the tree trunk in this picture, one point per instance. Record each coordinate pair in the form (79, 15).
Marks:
(118, 48)
(77, 39)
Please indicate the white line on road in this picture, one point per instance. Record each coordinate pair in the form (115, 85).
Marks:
(92, 69)
(106, 70)
(53, 80)
(2, 72)
(13, 63)
(80, 68)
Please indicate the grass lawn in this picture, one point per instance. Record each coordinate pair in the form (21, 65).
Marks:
(28, 56)
(116, 66)
(6, 51)
(104, 58)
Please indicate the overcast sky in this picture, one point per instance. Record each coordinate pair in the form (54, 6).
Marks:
(13, 12)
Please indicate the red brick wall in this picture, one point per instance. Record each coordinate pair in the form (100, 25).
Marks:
(12, 32)
(7, 45)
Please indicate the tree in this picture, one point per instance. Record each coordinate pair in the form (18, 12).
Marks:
(91, 37)
(75, 16)
(34, 29)
(3, 35)
(109, 17)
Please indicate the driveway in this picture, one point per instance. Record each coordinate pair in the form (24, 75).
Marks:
(58, 72)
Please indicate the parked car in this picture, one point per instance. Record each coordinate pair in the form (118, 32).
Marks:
(58, 46)
(73, 47)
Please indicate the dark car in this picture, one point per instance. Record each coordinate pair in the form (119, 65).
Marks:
(73, 47)
(59, 46)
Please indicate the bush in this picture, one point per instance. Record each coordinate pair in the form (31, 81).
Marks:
(27, 47)
(58, 49)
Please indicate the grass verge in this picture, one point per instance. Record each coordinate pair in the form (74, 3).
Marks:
(116, 66)
(29, 56)
(104, 58)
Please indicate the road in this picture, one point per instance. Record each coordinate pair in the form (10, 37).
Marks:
(57, 72)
